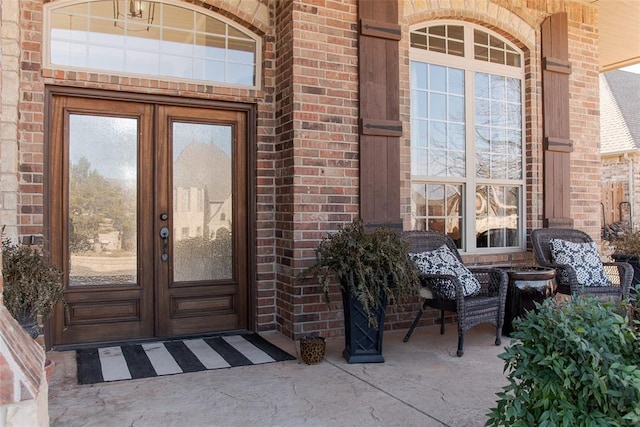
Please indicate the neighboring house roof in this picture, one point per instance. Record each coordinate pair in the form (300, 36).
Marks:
(619, 112)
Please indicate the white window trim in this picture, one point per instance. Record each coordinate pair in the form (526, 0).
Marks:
(470, 66)
(50, 6)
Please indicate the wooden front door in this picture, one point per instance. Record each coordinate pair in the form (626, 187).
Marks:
(147, 216)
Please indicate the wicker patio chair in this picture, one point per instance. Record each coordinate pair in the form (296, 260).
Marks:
(620, 274)
(487, 306)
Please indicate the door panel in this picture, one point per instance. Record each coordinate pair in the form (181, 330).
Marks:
(203, 281)
(147, 218)
(99, 187)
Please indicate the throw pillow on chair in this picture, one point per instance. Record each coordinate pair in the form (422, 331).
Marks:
(584, 258)
(443, 261)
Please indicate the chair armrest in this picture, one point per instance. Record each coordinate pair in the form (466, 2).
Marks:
(624, 272)
(493, 281)
(566, 277)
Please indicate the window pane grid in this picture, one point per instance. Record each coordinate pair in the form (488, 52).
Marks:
(438, 207)
(174, 42)
(438, 121)
(497, 216)
(489, 48)
(498, 127)
(439, 140)
(447, 39)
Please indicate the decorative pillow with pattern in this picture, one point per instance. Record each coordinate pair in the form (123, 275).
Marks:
(443, 261)
(585, 260)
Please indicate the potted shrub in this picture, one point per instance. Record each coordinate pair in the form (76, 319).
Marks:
(373, 270)
(32, 287)
(573, 364)
(627, 249)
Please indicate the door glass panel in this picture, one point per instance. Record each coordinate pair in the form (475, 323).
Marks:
(102, 200)
(202, 202)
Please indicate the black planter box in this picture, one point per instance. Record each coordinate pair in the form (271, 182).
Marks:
(363, 344)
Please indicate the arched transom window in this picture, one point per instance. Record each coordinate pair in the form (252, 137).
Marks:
(467, 136)
(167, 39)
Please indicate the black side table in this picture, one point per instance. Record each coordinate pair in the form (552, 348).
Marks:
(527, 284)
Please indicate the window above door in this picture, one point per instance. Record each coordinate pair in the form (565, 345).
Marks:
(151, 38)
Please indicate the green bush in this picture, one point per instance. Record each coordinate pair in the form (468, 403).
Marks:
(571, 364)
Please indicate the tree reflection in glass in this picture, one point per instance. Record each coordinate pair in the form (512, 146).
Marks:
(102, 200)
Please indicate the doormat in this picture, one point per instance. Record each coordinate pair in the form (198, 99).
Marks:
(132, 361)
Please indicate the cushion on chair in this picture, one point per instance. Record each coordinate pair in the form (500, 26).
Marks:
(585, 260)
(443, 261)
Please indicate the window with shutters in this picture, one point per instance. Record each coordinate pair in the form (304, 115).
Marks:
(467, 136)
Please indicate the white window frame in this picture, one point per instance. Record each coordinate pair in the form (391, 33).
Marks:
(470, 66)
(46, 47)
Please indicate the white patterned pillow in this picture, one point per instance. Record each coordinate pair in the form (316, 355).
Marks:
(585, 260)
(443, 261)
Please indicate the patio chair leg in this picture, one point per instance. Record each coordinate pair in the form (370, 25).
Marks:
(460, 343)
(413, 325)
(498, 336)
(441, 322)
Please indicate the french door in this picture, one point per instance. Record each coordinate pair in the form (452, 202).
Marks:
(147, 217)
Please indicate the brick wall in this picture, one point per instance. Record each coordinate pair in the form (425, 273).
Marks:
(23, 388)
(283, 165)
(265, 182)
(317, 171)
(307, 145)
(585, 119)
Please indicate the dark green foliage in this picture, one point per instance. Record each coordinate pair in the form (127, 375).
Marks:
(373, 265)
(571, 364)
(31, 285)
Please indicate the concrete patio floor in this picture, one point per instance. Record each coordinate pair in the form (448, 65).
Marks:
(421, 383)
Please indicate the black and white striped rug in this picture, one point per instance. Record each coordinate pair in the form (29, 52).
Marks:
(153, 359)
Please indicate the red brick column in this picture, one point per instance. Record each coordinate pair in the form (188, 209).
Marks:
(316, 143)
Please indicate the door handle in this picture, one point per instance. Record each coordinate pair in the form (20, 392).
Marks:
(164, 234)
